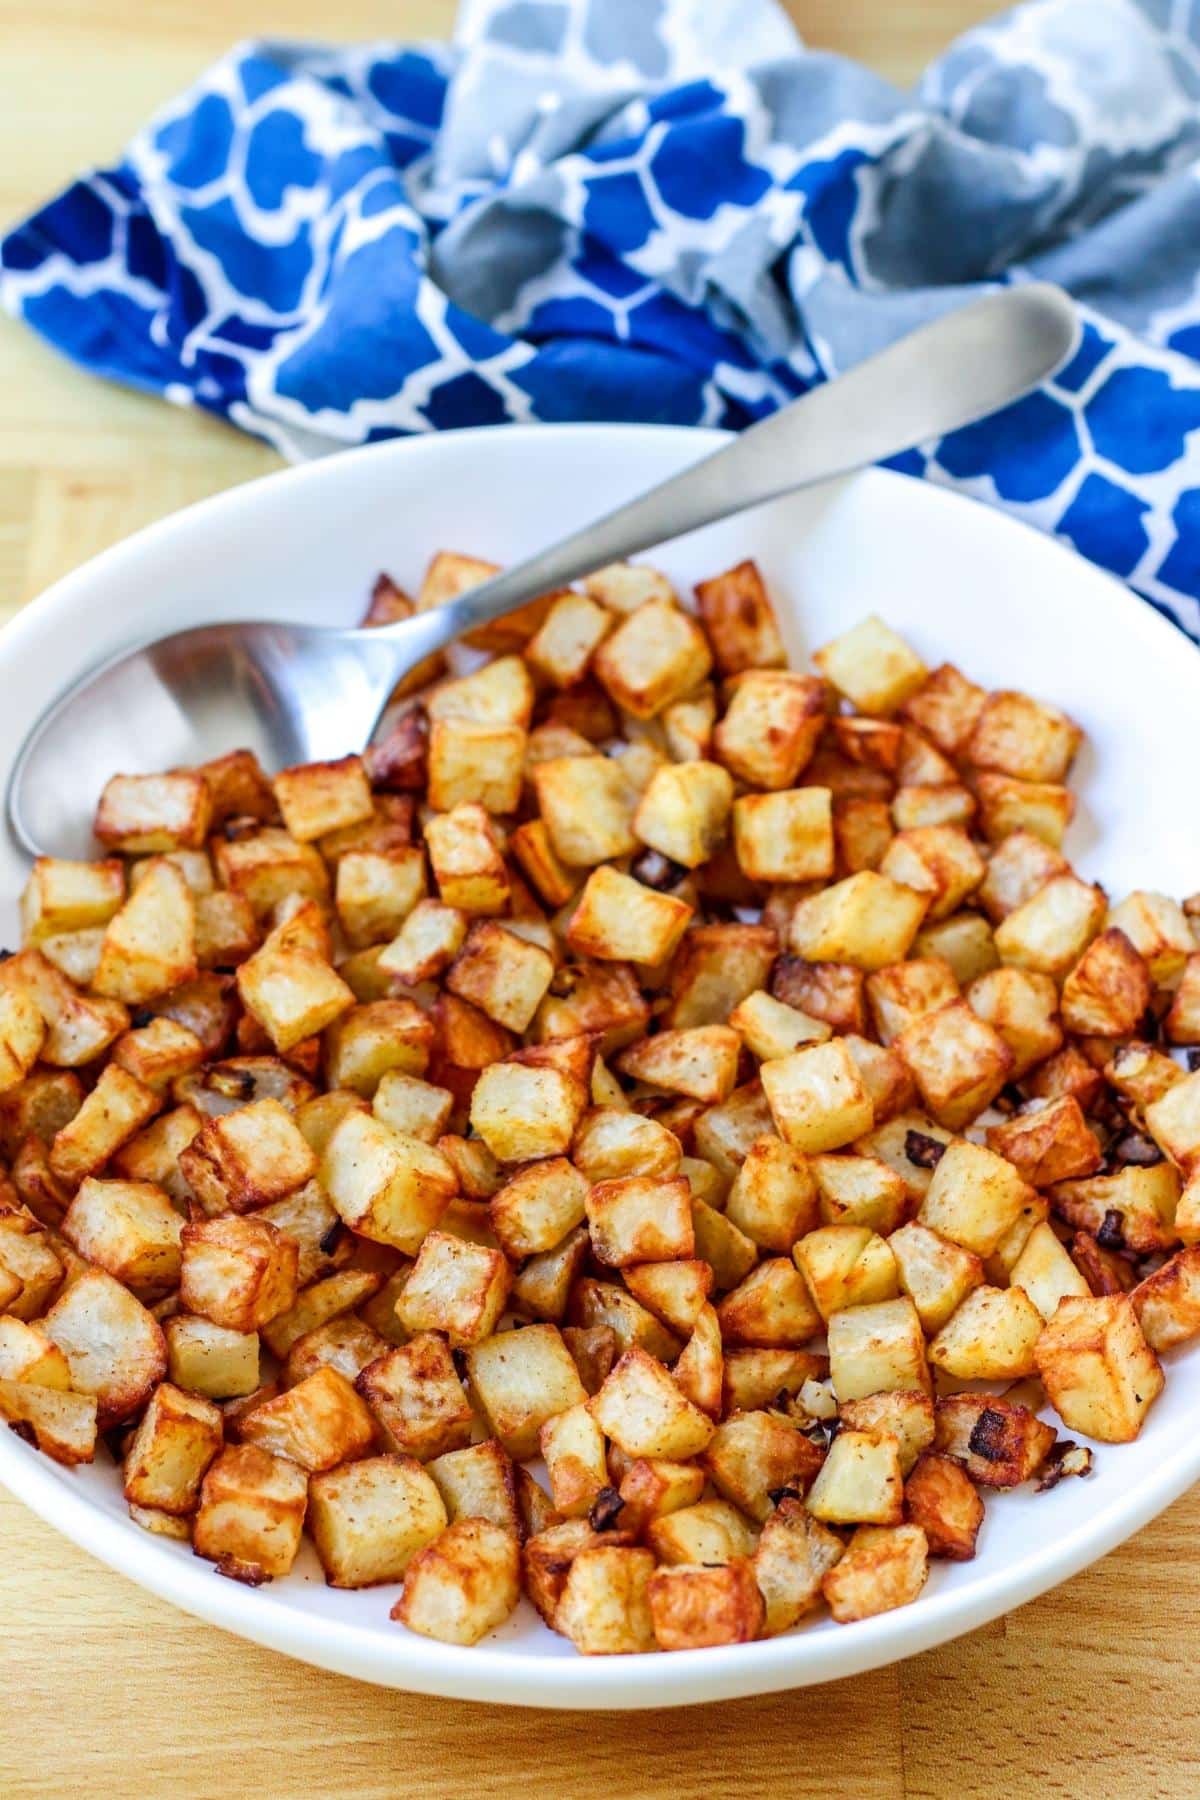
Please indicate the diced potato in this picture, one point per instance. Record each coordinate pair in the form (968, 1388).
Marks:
(1134, 1206)
(882, 1568)
(63, 1424)
(771, 1306)
(246, 1159)
(317, 798)
(376, 891)
(752, 1455)
(958, 1061)
(251, 1513)
(114, 1347)
(1174, 1122)
(641, 1409)
(737, 614)
(462, 1585)
(1050, 932)
(414, 1107)
(292, 991)
(1022, 1007)
(524, 1113)
(710, 1531)
(817, 1097)
(974, 1197)
(1043, 809)
(937, 860)
(426, 944)
(872, 666)
(656, 655)
(860, 1190)
(906, 991)
(388, 1187)
(639, 1218)
(878, 1348)
(771, 726)
(456, 1288)
(619, 920)
(502, 974)
(238, 1272)
(1158, 930)
(1097, 1368)
(31, 1270)
(770, 1028)
(63, 896)
(149, 946)
(934, 1272)
(370, 1519)
(319, 1423)
(1167, 1302)
(417, 1399)
(115, 1111)
(684, 812)
(786, 835)
(522, 1378)
(845, 1266)
(906, 1414)
(940, 1497)
(211, 1360)
(129, 1228)
(28, 1356)
(572, 1447)
(794, 1554)
(467, 862)
(587, 804)
(859, 1482)
(1023, 737)
(605, 1606)
(867, 920)
(178, 1437)
(22, 1033)
(693, 1606)
(991, 1337)
(774, 1198)
(146, 813)
(479, 1482)
(538, 1206)
(1053, 1143)
(998, 1443)
(945, 707)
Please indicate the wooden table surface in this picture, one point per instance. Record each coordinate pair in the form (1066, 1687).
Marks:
(1089, 1689)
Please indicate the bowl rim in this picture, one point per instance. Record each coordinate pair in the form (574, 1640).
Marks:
(493, 1671)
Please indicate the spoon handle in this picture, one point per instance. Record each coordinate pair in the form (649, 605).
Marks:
(949, 373)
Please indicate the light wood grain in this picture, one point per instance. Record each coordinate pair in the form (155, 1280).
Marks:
(108, 1690)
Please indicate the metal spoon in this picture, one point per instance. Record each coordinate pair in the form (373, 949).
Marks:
(300, 693)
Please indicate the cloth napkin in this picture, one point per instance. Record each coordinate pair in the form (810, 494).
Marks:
(665, 210)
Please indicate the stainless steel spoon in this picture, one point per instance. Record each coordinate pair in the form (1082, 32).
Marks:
(301, 693)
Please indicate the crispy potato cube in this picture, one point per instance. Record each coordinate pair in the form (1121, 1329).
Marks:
(561, 649)
(572, 1447)
(958, 1061)
(376, 890)
(65, 896)
(1023, 737)
(237, 787)
(238, 1272)
(626, 586)
(974, 1197)
(319, 1423)
(115, 1348)
(251, 1513)
(859, 1481)
(540, 1204)
(371, 1518)
(773, 1199)
(937, 860)
(674, 1291)
(753, 1455)
(146, 813)
(129, 1228)
(157, 1054)
(209, 1359)
(831, 992)
(308, 1217)
(292, 991)
(684, 811)
(643, 1411)
(1050, 932)
(63, 1424)
(786, 835)
(150, 944)
(1167, 1303)
(416, 1108)
(844, 1266)
(462, 1585)
(945, 707)
(940, 1497)
(878, 1348)
(472, 763)
(737, 614)
(862, 831)
(873, 667)
(547, 1281)
(639, 1218)
(652, 1487)
(700, 1061)
(699, 1371)
(906, 991)
(882, 1568)
(770, 1028)
(771, 727)
(964, 942)
(520, 1379)
(867, 920)
(345, 1343)
(22, 1033)
(1135, 1206)
(467, 861)
(161, 1524)
(524, 1113)
(245, 1159)
(115, 1110)
(387, 1187)
(1044, 809)
(1018, 867)
(693, 1606)
(605, 1605)
(1046, 1272)
(998, 1443)
(456, 1288)
(30, 1269)
(619, 920)
(1022, 1006)
(595, 1350)
(27, 1356)
(271, 867)
(479, 1482)
(320, 797)
(817, 1097)
(1052, 1144)
(794, 1554)
(1173, 1121)
(1158, 930)
(417, 1399)
(550, 1551)
(502, 974)
(935, 1273)
(656, 655)
(1107, 992)
(991, 1337)
(771, 1306)
(426, 944)
(178, 1437)
(711, 1531)
(554, 882)
(587, 804)
(1099, 1372)
(499, 693)
(1182, 1023)
(905, 1414)
(369, 1041)
(859, 1190)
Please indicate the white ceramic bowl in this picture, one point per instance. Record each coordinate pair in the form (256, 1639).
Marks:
(964, 584)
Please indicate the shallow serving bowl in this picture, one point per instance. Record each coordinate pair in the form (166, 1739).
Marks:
(965, 585)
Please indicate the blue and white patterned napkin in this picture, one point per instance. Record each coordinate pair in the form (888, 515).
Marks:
(665, 210)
